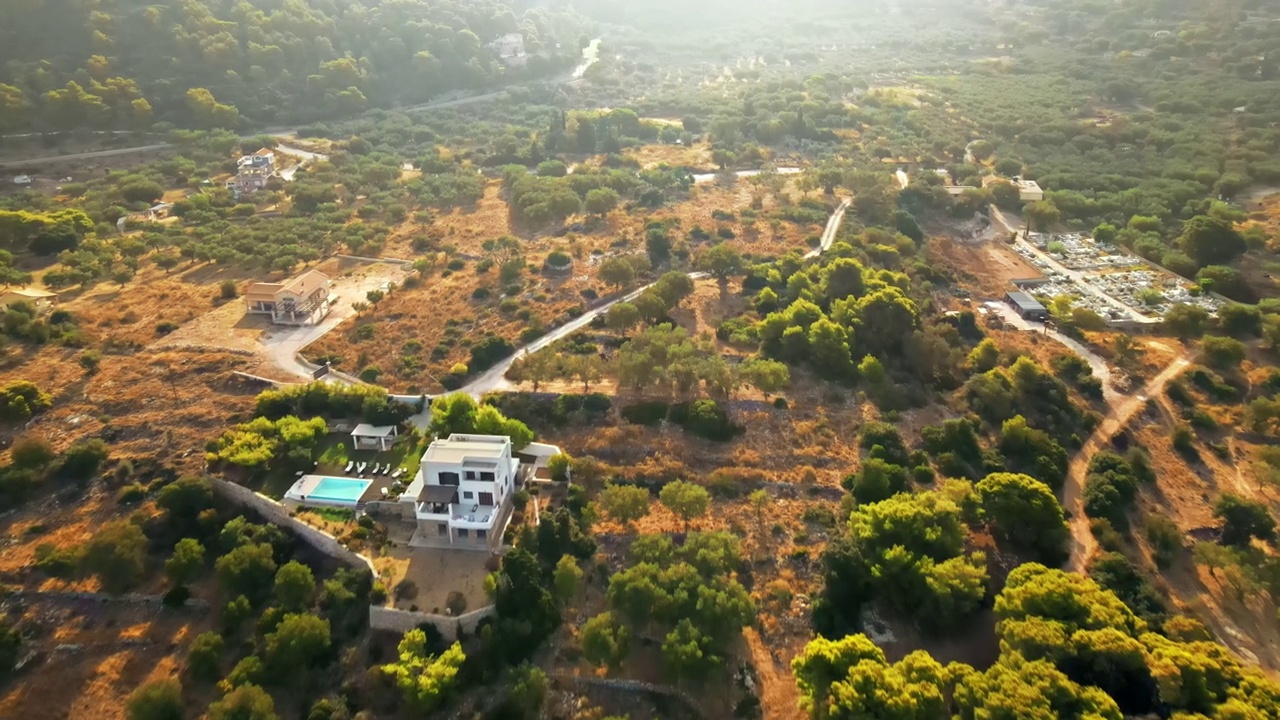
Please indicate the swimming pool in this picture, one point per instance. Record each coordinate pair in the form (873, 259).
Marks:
(333, 491)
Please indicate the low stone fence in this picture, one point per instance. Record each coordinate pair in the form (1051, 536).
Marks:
(583, 683)
(402, 621)
(275, 512)
(390, 509)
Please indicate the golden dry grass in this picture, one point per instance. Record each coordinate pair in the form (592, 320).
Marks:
(420, 313)
(166, 403)
(95, 679)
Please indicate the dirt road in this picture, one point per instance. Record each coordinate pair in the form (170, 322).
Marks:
(1083, 544)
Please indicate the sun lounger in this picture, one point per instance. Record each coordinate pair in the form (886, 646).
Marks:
(386, 469)
(360, 468)
(374, 469)
(397, 473)
(350, 465)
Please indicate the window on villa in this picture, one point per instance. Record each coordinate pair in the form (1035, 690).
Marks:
(486, 477)
(449, 478)
(462, 532)
(481, 534)
(442, 529)
(466, 494)
(471, 474)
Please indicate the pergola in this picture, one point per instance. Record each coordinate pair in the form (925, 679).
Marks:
(368, 437)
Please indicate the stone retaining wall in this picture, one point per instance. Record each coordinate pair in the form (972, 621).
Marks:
(402, 621)
(275, 512)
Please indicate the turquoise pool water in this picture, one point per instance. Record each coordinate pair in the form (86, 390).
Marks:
(339, 490)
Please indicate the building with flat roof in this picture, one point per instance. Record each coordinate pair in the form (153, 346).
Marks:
(461, 494)
(1026, 306)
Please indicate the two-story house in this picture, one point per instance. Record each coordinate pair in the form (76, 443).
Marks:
(463, 490)
(253, 171)
(303, 300)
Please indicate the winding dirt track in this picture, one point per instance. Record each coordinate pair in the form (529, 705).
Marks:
(1083, 544)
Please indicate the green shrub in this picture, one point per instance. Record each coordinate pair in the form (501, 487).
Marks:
(1165, 539)
(649, 412)
(705, 418)
(131, 493)
(57, 562)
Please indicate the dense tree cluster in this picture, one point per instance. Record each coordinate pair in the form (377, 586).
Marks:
(262, 443)
(689, 595)
(1112, 484)
(367, 403)
(459, 413)
(94, 65)
(1069, 649)
(909, 547)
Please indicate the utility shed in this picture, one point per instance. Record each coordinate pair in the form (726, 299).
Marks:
(1027, 306)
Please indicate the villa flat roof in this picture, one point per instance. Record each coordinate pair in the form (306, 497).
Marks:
(457, 449)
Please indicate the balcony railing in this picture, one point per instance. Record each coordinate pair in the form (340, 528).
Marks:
(472, 515)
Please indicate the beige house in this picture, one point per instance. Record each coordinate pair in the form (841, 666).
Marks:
(41, 300)
(1028, 190)
(303, 300)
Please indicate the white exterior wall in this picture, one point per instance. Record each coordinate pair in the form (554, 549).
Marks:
(501, 487)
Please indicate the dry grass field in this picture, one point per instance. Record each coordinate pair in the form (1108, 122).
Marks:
(444, 311)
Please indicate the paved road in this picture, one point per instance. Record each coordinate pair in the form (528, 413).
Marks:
(1084, 545)
(494, 378)
(1096, 363)
(83, 156)
(829, 234)
(590, 56)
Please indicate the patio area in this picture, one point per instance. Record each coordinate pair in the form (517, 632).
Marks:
(339, 456)
(428, 577)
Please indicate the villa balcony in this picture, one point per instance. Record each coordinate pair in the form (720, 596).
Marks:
(472, 516)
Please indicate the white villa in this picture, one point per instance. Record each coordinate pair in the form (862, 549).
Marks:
(461, 494)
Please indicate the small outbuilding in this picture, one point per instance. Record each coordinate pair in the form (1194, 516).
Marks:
(1026, 306)
(374, 437)
(41, 300)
